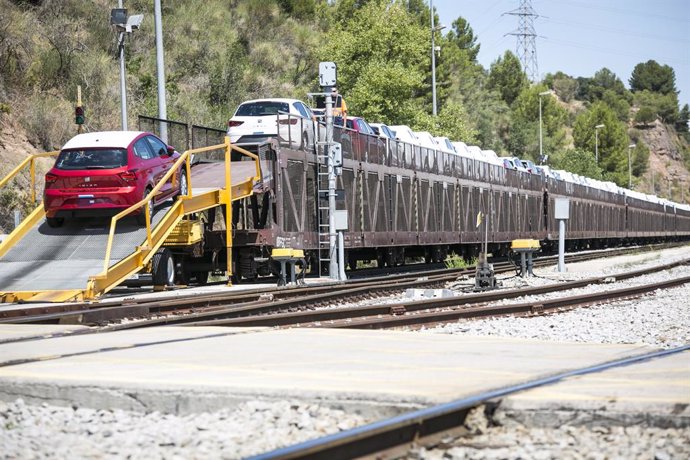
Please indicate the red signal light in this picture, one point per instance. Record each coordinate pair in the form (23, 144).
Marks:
(234, 123)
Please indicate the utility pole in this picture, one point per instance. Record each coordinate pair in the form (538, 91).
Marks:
(123, 86)
(160, 71)
(526, 38)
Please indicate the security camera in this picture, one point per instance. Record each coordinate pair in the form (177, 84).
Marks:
(134, 22)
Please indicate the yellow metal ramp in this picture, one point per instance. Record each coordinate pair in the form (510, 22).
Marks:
(83, 259)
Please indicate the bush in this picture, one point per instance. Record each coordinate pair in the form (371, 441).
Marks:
(645, 115)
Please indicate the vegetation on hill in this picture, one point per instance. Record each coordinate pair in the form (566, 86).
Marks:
(219, 53)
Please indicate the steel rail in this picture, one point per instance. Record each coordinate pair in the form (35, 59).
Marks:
(395, 314)
(414, 426)
(129, 307)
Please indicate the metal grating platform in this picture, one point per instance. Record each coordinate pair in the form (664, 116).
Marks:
(37, 262)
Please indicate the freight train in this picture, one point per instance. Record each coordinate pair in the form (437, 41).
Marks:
(405, 201)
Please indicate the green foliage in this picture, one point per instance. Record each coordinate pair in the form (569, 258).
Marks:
(507, 78)
(613, 140)
(651, 76)
(645, 115)
(383, 60)
(463, 37)
(665, 106)
(606, 81)
(577, 161)
(451, 122)
(617, 103)
(457, 261)
(639, 158)
(565, 87)
(12, 199)
(524, 131)
(683, 118)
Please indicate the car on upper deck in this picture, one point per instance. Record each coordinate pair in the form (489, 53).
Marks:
(103, 173)
(382, 130)
(290, 120)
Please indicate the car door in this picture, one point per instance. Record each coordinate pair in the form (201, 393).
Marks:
(148, 164)
(165, 161)
(304, 125)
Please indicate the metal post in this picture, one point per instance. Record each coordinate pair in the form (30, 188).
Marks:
(123, 86)
(17, 218)
(228, 208)
(433, 62)
(561, 245)
(629, 168)
(486, 236)
(596, 145)
(160, 71)
(332, 235)
(541, 150)
(341, 257)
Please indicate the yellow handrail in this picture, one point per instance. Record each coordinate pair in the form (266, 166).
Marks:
(32, 171)
(185, 157)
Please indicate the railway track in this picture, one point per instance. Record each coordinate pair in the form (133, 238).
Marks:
(394, 437)
(260, 301)
(421, 312)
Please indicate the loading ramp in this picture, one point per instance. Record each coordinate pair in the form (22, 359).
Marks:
(84, 259)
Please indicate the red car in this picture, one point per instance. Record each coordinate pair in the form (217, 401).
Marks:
(103, 173)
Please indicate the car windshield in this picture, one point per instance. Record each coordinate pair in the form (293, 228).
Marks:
(262, 108)
(91, 159)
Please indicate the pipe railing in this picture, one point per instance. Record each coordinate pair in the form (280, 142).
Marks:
(184, 158)
(31, 161)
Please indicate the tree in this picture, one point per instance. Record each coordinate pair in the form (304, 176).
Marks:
(639, 158)
(645, 115)
(652, 76)
(507, 78)
(664, 105)
(604, 80)
(463, 36)
(452, 122)
(577, 161)
(683, 118)
(613, 141)
(383, 60)
(524, 128)
(617, 103)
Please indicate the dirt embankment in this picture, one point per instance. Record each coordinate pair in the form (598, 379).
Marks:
(667, 175)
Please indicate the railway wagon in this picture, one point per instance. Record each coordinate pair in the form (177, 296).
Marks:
(408, 201)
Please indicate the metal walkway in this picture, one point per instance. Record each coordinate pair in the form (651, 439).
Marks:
(85, 258)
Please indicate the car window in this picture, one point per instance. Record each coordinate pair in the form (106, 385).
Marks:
(91, 159)
(364, 127)
(388, 132)
(376, 130)
(262, 108)
(301, 109)
(349, 124)
(142, 149)
(158, 147)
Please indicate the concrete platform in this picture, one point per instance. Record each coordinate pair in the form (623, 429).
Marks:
(187, 369)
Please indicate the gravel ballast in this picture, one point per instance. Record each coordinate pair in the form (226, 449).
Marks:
(661, 320)
(44, 431)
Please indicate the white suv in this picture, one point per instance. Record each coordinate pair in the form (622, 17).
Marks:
(291, 120)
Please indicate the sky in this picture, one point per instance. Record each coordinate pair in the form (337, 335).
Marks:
(580, 37)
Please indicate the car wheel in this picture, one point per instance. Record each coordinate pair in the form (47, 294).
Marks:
(55, 222)
(141, 217)
(163, 268)
(183, 185)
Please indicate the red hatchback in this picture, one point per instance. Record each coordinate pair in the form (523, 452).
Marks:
(103, 173)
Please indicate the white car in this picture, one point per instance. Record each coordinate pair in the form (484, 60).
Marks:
(291, 120)
(405, 134)
(426, 140)
(382, 130)
(445, 145)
